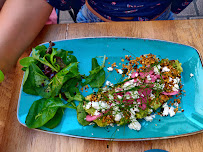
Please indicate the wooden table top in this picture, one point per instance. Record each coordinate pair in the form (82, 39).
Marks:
(17, 138)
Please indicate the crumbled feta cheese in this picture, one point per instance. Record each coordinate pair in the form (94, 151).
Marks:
(105, 89)
(129, 75)
(170, 79)
(136, 74)
(191, 75)
(110, 69)
(176, 104)
(127, 97)
(88, 105)
(158, 86)
(171, 111)
(165, 69)
(135, 125)
(119, 97)
(120, 71)
(149, 78)
(175, 87)
(95, 105)
(157, 69)
(116, 108)
(129, 84)
(176, 80)
(111, 124)
(113, 104)
(118, 89)
(118, 116)
(148, 118)
(152, 96)
(108, 83)
(111, 97)
(104, 105)
(166, 110)
(133, 110)
(96, 113)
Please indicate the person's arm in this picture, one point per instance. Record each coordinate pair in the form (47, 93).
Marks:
(179, 5)
(1, 3)
(20, 23)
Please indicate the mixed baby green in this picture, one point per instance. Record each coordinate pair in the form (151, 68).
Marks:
(53, 74)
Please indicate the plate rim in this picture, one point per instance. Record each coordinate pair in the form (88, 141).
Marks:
(110, 139)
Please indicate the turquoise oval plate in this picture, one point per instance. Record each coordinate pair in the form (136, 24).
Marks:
(186, 123)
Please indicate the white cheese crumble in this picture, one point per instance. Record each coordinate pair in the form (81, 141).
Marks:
(119, 97)
(175, 87)
(157, 69)
(111, 124)
(104, 89)
(166, 110)
(149, 118)
(120, 71)
(165, 69)
(111, 97)
(110, 69)
(108, 83)
(95, 105)
(149, 78)
(158, 86)
(135, 125)
(176, 80)
(96, 113)
(118, 116)
(171, 111)
(170, 79)
(152, 96)
(191, 75)
(104, 105)
(116, 108)
(135, 95)
(176, 104)
(88, 105)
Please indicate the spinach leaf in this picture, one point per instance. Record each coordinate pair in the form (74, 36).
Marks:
(97, 75)
(42, 111)
(77, 97)
(55, 121)
(26, 75)
(62, 76)
(66, 56)
(26, 62)
(81, 115)
(43, 60)
(71, 85)
(36, 83)
(1, 76)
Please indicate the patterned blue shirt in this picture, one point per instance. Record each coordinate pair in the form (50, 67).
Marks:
(141, 10)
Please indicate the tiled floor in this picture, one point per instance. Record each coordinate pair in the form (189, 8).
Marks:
(193, 11)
